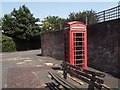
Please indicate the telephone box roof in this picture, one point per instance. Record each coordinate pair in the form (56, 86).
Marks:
(70, 23)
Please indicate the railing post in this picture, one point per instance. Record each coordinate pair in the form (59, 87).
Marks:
(119, 11)
(104, 16)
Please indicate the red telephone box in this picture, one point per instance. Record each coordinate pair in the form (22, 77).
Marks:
(75, 44)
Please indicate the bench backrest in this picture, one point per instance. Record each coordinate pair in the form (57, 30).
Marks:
(90, 77)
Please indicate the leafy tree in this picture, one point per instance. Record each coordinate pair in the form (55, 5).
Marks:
(8, 44)
(88, 16)
(0, 24)
(53, 23)
(21, 24)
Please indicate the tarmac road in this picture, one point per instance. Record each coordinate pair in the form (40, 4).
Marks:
(21, 64)
(27, 69)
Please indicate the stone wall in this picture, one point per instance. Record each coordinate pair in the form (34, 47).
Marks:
(52, 44)
(103, 46)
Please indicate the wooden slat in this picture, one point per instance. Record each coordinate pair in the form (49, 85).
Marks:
(86, 71)
(52, 86)
(58, 81)
(75, 79)
(63, 82)
(66, 82)
(89, 77)
(106, 87)
(85, 79)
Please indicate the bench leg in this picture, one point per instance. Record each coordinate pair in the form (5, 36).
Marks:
(65, 74)
(64, 71)
(90, 87)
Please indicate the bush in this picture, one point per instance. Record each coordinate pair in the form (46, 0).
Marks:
(8, 44)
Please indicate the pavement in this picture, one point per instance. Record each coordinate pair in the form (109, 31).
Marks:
(28, 69)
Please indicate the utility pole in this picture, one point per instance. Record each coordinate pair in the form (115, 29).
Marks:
(86, 20)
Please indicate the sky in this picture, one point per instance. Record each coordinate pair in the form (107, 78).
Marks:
(61, 9)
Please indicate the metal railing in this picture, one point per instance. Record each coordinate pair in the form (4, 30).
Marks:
(110, 14)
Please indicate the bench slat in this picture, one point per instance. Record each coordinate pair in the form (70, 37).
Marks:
(84, 79)
(87, 76)
(86, 71)
(63, 82)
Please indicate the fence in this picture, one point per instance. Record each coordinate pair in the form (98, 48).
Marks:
(110, 14)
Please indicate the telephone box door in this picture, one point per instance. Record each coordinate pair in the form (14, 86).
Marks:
(79, 48)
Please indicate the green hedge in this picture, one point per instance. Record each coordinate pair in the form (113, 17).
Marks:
(8, 44)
